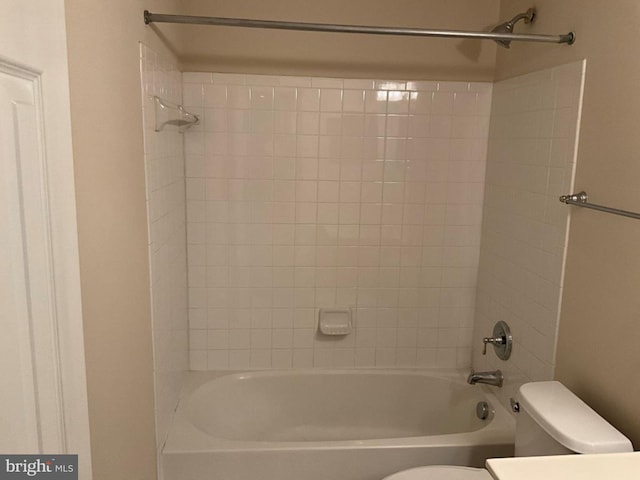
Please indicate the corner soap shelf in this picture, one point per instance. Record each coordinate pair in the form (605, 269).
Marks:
(168, 113)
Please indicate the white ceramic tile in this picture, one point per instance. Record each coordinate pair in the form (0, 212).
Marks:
(398, 102)
(304, 190)
(166, 198)
(353, 100)
(390, 85)
(353, 125)
(442, 103)
(327, 82)
(376, 101)
(260, 358)
(420, 102)
(197, 77)
(262, 98)
(308, 99)
(215, 96)
(228, 79)
(238, 96)
(287, 81)
(284, 99)
(330, 124)
(239, 359)
(330, 100)
(193, 94)
(354, 83)
(519, 280)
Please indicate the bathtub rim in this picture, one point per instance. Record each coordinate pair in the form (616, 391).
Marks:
(184, 437)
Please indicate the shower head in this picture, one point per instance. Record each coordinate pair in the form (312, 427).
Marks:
(507, 27)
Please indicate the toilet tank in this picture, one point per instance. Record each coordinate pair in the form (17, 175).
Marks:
(554, 421)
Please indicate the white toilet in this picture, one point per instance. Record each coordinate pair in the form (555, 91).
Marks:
(551, 421)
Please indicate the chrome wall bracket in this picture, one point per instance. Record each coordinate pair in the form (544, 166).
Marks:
(502, 341)
(581, 199)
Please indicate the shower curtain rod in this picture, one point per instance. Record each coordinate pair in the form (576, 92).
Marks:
(580, 199)
(149, 17)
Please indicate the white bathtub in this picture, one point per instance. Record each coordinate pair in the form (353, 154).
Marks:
(330, 424)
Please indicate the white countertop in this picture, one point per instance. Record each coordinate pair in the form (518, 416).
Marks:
(604, 466)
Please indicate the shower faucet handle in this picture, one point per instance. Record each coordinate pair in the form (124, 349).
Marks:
(492, 341)
(501, 341)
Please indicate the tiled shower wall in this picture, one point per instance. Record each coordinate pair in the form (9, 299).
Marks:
(164, 166)
(305, 193)
(531, 162)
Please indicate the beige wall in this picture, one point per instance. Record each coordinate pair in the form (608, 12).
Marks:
(225, 49)
(598, 354)
(112, 230)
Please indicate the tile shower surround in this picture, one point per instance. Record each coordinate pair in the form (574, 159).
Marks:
(315, 192)
(164, 167)
(531, 162)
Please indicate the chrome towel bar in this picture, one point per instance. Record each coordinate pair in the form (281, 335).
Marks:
(580, 200)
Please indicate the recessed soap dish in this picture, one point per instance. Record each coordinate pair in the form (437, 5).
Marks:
(334, 321)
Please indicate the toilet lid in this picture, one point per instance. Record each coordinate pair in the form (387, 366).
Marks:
(441, 473)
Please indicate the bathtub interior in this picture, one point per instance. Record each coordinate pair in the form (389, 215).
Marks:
(321, 406)
(359, 449)
(307, 408)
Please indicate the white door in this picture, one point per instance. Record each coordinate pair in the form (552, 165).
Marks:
(19, 156)
(43, 400)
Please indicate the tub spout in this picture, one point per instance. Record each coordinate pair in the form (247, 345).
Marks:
(490, 378)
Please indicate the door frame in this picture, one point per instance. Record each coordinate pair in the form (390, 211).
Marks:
(33, 40)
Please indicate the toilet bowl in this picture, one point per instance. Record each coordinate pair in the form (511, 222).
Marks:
(551, 421)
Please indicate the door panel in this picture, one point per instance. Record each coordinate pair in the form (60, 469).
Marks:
(18, 417)
(43, 396)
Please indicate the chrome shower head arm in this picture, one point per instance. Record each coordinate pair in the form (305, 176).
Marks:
(527, 16)
(507, 27)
